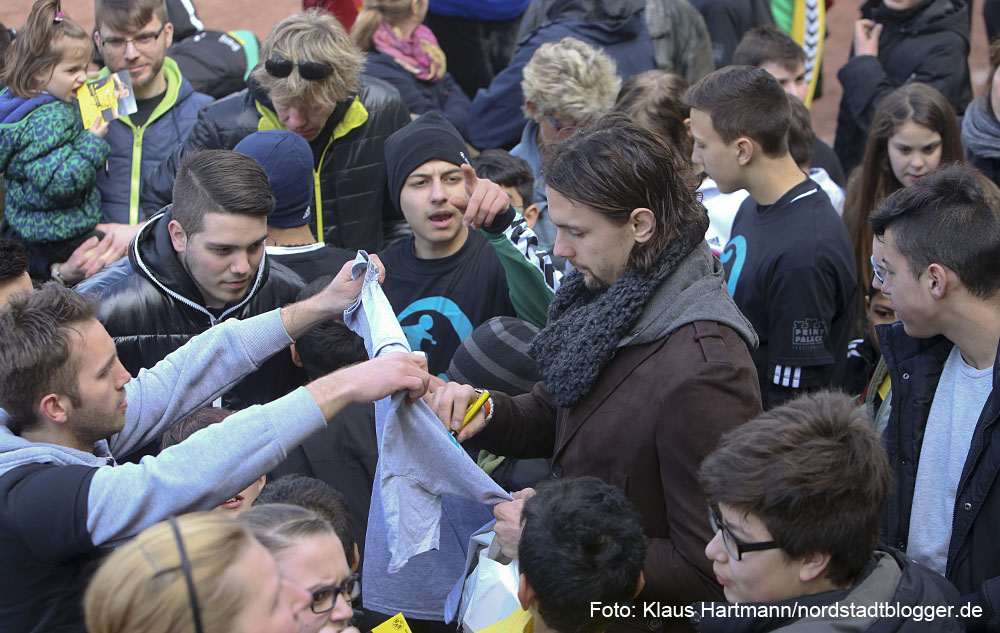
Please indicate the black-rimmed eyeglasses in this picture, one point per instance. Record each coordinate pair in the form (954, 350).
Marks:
(117, 45)
(310, 71)
(324, 598)
(733, 546)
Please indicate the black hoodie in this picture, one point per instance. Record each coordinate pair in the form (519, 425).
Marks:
(928, 44)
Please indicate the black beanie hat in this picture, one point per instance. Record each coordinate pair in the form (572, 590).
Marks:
(428, 137)
(495, 356)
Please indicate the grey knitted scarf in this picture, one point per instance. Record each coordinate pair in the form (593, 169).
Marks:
(981, 131)
(584, 327)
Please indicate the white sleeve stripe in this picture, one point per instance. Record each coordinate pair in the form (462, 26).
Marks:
(787, 376)
(189, 7)
(803, 195)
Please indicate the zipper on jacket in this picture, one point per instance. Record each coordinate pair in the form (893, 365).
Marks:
(134, 177)
(135, 181)
(212, 321)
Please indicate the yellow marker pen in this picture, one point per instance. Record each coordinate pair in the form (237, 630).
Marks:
(472, 409)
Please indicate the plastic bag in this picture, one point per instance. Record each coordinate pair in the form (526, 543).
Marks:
(490, 591)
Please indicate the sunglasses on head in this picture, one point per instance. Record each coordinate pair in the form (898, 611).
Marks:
(310, 71)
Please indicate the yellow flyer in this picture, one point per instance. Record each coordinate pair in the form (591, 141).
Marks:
(109, 97)
(395, 624)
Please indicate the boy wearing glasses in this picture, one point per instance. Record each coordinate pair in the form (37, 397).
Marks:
(310, 83)
(865, 376)
(134, 36)
(795, 497)
(937, 248)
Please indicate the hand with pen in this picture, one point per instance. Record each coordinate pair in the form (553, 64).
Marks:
(483, 201)
(461, 409)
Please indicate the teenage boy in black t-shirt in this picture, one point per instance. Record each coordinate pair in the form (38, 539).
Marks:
(775, 51)
(445, 279)
(788, 260)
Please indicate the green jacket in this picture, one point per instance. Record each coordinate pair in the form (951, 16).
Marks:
(531, 278)
(49, 164)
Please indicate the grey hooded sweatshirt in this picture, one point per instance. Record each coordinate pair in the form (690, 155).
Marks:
(61, 509)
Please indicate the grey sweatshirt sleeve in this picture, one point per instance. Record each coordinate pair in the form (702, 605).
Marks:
(194, 375)
(202, 471)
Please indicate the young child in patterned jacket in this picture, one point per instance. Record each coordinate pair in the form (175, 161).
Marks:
(49, 161)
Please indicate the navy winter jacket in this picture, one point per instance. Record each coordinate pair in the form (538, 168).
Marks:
(135, 152)
(928, 44)
(496, 114)
(973, 564)
(488, 10)
(444, 95)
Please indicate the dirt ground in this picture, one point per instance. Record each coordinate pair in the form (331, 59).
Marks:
(259, 15)
(254, 15)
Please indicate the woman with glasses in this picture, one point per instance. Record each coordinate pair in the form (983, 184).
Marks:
(198, 573)
(310, 556)
(401, 50)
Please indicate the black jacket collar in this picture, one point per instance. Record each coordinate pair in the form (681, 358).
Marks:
(152, 255)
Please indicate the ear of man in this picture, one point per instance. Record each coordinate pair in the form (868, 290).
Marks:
(178, 238)
(525, 594)
(531, 215)
(532, 109)
(940, 280)
(813, 566)
(745, 151)
(296, 359)
(643, 224)
(54, 407)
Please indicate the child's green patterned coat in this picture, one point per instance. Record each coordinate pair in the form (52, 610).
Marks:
(49, 164)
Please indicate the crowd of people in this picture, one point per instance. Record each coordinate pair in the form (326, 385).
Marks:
(327, 307)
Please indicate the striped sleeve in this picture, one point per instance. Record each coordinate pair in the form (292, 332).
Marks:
(785, 376)
(525, 241)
